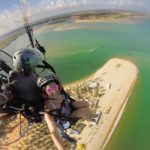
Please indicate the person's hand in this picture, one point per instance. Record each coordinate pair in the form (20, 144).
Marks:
(48, 106)
(9, 90)
(51, 105)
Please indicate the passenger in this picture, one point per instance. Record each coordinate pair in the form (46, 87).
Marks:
(59, 106)
(57, 101)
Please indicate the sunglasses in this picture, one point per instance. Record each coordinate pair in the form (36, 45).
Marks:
(52, 89)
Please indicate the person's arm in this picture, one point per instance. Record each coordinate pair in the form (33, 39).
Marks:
(54, 132)
(9, 90)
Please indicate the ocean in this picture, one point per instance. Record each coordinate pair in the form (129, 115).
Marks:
(76, 50)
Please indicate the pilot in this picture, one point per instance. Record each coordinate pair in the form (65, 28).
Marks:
(21, 87)
(59, 106)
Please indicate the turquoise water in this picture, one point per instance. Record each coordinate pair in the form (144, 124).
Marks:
(81, 51)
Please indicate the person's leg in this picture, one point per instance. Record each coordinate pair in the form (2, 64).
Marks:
(80, 104)
(82, 110)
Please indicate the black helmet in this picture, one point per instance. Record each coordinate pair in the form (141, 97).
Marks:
(25, 60)
(42, 81)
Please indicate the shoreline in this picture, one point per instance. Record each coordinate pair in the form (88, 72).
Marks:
(107, 20)
(80, 81)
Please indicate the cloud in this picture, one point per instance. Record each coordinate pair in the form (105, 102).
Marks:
(9, 20)
(125, 3)
(121, 2)
(55, 4)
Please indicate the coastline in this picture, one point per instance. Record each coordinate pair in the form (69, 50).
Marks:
(112, 104)
(80, 81)
(108, 20)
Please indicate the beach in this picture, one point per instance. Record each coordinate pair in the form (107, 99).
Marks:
(108, 20)
(116, 80)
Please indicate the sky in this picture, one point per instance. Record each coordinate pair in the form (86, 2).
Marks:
(11, 18)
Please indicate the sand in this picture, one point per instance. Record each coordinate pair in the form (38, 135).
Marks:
(118, 78)
(127, 20)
